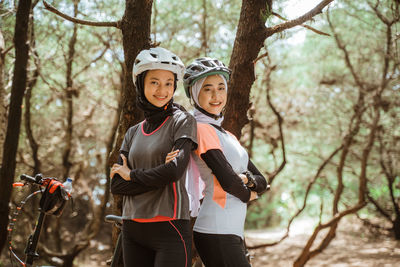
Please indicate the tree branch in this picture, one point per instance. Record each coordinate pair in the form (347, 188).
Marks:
(388, 50)
(358, 112)
(380, 15)
(316, 176)
(69, 93)
(368, 223)
(346, 54)
(270, 69)
(307, 254)
(91, 62)
(379, 208)
(260, 57)
(346, 143)
(28, 95)
(389, 177)
(5, 51)
(51, 8)
(305, 26)
(296, 22)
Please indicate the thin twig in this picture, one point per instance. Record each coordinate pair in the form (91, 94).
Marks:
(7, 50)
(51, 8)
(260, 57)
(90, 63)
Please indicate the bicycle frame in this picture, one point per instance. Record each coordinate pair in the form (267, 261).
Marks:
(33, 240)
(117, 220)
(30, 250)
(31, 253)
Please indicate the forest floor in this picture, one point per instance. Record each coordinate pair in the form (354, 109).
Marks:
(353, 246)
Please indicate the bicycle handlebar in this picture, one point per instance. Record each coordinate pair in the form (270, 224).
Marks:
(38, 179)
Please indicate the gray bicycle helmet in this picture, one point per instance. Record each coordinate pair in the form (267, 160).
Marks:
(203, 67)
(157, 58)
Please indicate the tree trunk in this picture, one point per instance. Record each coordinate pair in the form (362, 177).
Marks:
(135, 26)
(69, 95)
(203, 27)
(28, 95)
(249, 39)
(7, 171)
(396, 228)
(3, 106)
(252, 135)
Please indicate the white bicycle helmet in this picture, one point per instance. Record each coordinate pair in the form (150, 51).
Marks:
(201, 68)
(157, 58)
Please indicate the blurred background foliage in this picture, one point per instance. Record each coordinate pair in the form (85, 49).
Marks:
(310, 85)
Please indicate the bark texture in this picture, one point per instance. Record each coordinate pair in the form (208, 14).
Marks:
(70, 92)
(3, 106)
(250, 38)
(7, 171)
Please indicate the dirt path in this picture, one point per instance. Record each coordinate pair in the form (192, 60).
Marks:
(353, 246)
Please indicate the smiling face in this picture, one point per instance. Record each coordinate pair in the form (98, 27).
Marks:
(159, 87)
(213, 94)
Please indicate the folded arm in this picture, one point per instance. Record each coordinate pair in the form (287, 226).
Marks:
(228, 179)
(167, 173)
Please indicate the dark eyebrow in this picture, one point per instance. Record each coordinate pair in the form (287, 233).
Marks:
(155, 78)
(209, 84)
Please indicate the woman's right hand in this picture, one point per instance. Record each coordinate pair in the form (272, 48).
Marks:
(171, 156)
(123, 170)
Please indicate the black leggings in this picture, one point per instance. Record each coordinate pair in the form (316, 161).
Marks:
(159, 244)
(220, 250)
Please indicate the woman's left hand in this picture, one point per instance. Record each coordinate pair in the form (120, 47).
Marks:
(253, 195)
(122, 170)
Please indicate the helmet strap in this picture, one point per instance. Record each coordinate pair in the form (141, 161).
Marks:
(216, 117)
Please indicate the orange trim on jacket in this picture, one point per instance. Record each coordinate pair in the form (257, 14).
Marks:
(207, 139)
